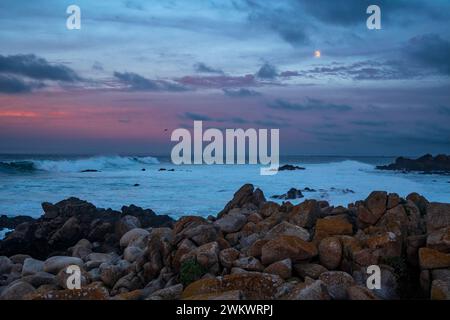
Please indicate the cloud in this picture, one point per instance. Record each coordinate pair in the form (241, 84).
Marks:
(136, 82)
(354, 11)
(369, 123)
(197, 117)
(13, 85)
(203, 68)
(431, 51)
(97, 66)
(218, 81)
(309, 105)
(241, 93)
(289, 74)
(267, 71)
(37, 68)
(284, 20)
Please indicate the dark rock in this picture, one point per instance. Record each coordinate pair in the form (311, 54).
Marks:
(65, 223)
(246, 197)
(290, 167)
(426, 163)
(90, 170)
(13, 222)
(290, 195)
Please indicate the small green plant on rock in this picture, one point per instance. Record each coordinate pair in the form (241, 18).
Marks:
(191, 271)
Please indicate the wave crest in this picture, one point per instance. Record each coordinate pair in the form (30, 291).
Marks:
(76, 165)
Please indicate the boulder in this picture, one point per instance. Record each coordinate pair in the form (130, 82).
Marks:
(170, 293)
(5, 265)
(227, 295)
(310, 270)
(282, 268)
(254, 285)
(376, 203)
(439, 240)
(126, 224)
(284, 247)
(331, 226)
(231, 222)
(360, 293)
(207, 256)
(40, 279)
(32, 266)
(433, 259)
(255, 248)
(17, 290)
(440, 290)
(438, 216)
(227, 256)
(132, 235)
(287, 229)
(305, 214)
(330, 252)
(247, 196)
(57, 263)
(249, 264)
(316, 290)
(337, 283)
(132, 253)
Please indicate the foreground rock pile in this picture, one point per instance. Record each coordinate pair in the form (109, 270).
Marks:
(253, 249)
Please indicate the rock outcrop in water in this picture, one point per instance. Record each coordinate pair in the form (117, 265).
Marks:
(426, 164)
(65, 223)
(254, 249)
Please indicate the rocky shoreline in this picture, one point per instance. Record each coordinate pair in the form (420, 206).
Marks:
(439, 164)
(253, 249)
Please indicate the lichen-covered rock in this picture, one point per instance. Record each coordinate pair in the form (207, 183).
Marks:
(310, 270)
(284, 247)
(330, 252)
(360, 293)
(254, 285)
(337, 283)
(282, 268)
(305, 214)
(331, 226)
(433, 259)
(313, 291)
(438, 216)
(287, 229)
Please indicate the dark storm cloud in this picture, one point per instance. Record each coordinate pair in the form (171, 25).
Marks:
(203, 68)
(136, 82)
(353, 12)
(287, 22)
(308, 105)
(241, 93)
(267, 71)
(36, 68)
(13, 85)
(431, 51)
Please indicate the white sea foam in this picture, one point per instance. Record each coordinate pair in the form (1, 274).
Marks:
(201, 189)
(3, 233)
(93, 163)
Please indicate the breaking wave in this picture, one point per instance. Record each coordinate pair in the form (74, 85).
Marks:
(76, 165)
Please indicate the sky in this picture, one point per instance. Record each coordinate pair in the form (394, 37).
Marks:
(137, 70)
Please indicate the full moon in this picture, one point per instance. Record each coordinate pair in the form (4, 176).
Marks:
(317, 53)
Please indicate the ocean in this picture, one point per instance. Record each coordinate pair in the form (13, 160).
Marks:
(27, 181)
